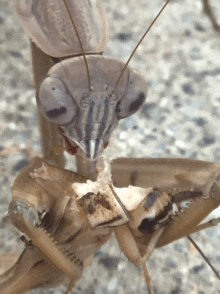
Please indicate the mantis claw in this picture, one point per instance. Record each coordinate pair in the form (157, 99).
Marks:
(22, 216)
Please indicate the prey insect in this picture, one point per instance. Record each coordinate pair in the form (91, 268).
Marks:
(68, 218)
(133, 176)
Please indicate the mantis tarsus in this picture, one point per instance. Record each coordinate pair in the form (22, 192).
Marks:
(183, 84)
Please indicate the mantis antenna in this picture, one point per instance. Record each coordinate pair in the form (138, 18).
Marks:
(80, 44)
(203, 255)
(138, 44)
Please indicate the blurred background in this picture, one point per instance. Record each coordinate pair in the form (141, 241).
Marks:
(180, 59)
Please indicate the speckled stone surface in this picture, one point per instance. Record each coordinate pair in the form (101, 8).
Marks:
(180, 59)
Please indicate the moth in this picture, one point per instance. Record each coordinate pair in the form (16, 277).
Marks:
(143, 151)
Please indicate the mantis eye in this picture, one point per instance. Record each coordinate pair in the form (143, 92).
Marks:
(55, 102)
(129, 104)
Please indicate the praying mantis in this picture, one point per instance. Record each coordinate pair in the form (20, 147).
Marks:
(124, 141)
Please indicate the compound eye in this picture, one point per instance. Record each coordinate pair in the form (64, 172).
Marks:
(55, 102)
(129, 104)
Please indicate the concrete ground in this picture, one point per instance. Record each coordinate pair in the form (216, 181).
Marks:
(180, 59)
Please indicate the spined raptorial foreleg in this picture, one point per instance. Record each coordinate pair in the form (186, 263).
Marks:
(145, 218)
(187, 192)
(33, 269)
(27, 220)
(44, 208)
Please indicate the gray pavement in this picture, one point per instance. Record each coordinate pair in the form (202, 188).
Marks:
(180, 59)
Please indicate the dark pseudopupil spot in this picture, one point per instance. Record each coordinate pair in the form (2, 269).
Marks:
(56, 112)
(134, 106)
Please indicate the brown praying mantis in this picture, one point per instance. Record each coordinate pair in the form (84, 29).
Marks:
(133, 174)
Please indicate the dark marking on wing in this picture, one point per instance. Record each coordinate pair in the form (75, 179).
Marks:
(88, 203)
(39, 262)
(111, 221)
(71, 238)
(103, 201)
(148, 225)
(151, 199)
(133, 178)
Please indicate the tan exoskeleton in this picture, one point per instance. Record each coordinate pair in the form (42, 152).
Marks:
(65, 217)
(82, 95)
